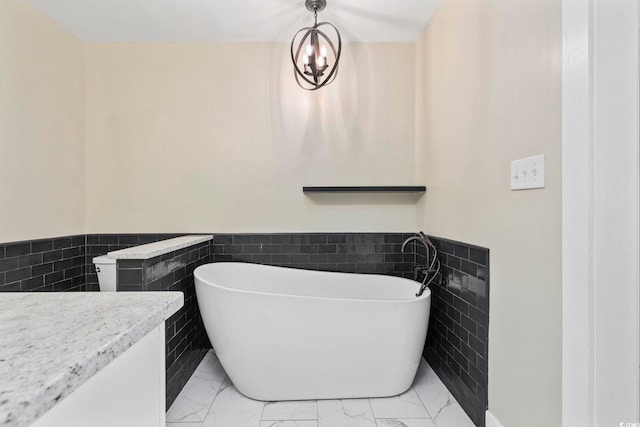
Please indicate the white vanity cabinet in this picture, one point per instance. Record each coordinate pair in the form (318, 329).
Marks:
(128, 392)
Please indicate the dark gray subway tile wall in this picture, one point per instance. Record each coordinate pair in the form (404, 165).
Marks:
(457, 341)
(345, 252)
(43, 265)
(186, 339)
(342, 252)
(457, 338)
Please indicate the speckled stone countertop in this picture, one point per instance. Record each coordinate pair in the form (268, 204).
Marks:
(51, 343)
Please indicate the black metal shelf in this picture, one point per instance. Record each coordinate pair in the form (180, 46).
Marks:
(367, 189)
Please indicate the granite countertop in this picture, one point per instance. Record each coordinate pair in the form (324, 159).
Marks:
(152, 250)
(51, 343)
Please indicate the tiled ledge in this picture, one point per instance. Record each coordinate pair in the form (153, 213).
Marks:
(152, 250)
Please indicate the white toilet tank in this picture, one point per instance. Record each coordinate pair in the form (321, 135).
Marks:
(106, 269)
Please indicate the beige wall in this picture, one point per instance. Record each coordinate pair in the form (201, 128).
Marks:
(219, 138)
(489, 91)
(41, 126)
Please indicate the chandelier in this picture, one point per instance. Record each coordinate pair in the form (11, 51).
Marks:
(314, 55)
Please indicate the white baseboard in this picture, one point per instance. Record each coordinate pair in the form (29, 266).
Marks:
(491, 420)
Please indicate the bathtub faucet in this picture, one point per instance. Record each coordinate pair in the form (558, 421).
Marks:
(430, 270)
(420, 268)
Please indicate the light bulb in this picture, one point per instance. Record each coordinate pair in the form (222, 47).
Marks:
(321, 61)
(309, 49)
(323, 51)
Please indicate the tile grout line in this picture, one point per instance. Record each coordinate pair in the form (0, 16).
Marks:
(375, 420)
(262, 413)
(420, 398)
(217, 391)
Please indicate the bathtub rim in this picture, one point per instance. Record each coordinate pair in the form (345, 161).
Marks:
(424, 296)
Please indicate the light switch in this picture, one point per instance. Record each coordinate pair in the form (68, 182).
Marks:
(527, 173)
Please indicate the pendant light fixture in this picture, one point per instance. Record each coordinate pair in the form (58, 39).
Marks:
(315, 56)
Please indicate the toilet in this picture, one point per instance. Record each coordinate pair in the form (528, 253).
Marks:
(106, 269)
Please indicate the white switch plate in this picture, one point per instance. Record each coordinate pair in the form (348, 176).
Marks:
(527, 173)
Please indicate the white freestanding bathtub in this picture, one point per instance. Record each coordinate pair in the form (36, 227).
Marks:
(287, 334)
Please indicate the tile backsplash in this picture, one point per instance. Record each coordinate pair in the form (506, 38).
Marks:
(457, 339)
(43, 265)
(343, 252)
(66, 263)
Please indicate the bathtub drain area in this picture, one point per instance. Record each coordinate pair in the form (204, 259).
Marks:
(209, 399)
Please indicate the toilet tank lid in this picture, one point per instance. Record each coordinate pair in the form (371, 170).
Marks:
(103, 260)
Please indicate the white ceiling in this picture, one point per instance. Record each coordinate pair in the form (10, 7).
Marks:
(235, 20)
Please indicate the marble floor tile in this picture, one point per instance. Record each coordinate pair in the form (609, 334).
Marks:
(291, 410)
(407, 405)
(439, 402)
(345, 413)
(210, 367)
(290, 423)
(232, 409)
(410, 422)
(210, 400)
(194, 401)
(431, 390)
(452, 415)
